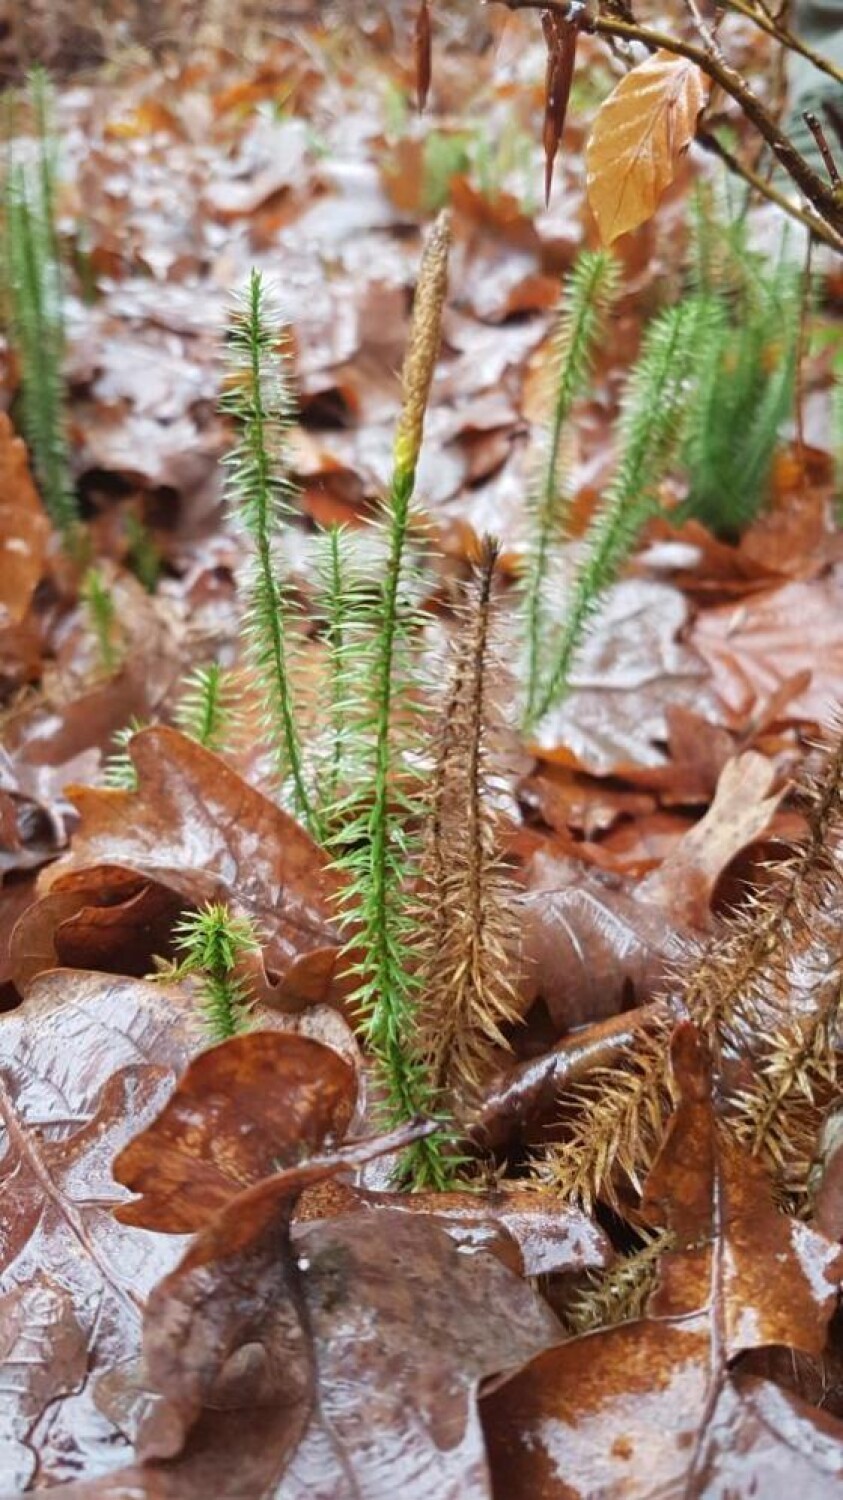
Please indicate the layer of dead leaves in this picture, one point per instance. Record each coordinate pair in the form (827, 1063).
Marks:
(206, 1285)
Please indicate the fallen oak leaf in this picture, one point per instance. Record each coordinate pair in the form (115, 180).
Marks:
(240, 1111)
(643, 1409)
(639, 132)
(536, 1234)
(87, 1061)
(196, 828)
(234, 1337)
(405, 1330)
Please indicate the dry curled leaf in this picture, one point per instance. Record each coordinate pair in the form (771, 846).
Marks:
(739, 814)
(640, 131)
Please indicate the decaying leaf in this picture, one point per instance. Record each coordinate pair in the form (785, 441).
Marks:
(197, 829)
(632, 668)
(649, 1408)
(345, 1363)
(88, 1060)
(639, 133)
(24, 528)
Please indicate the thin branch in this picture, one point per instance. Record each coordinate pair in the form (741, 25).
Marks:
(820, 194)
(709, 141)
(765, 22)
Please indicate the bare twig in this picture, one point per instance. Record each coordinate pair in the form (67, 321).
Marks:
(819, 194)
(709, 141)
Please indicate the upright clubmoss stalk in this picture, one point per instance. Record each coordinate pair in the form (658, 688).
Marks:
(32, 273)
(468, 996)
(343, 610)
(213, 943)
(587, 298)
(259, 492)
(376, 844)
(650, 426)
(837, 440)
(205, 711)
(102, 617)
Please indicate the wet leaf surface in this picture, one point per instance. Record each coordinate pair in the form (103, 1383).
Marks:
(648, 1408)
(631, 668)
(197, 829)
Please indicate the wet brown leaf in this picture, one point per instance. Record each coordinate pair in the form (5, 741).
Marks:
(649, 1408)
(590, 947)
(396, 1325)
(90, 1061)
(24, 528)
(87, 1060)
(753, 647)
(741, 812)
(197, 829)
(536, 1234)
(632, 668)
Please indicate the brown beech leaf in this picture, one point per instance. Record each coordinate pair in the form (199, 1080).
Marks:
(198, 829)
(24, 528)
(648, 120)
(649, 1408)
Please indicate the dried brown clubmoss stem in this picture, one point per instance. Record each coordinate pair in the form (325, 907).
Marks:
(774, 971)
(423, 348)
(468, 995)
(605, 1298)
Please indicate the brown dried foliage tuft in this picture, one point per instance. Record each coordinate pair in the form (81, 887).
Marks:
(468, 996)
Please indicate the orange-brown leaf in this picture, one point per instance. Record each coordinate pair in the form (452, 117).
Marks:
(639, 133)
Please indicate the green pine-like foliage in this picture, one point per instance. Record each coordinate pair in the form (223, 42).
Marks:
(655, 406)
(102, 618)
(342, 610)
(376, 848)
(213, 943)
(746, 358)
(586, 301)
(206, 709)
(260, 496)
(32, 277)
(837, 438)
